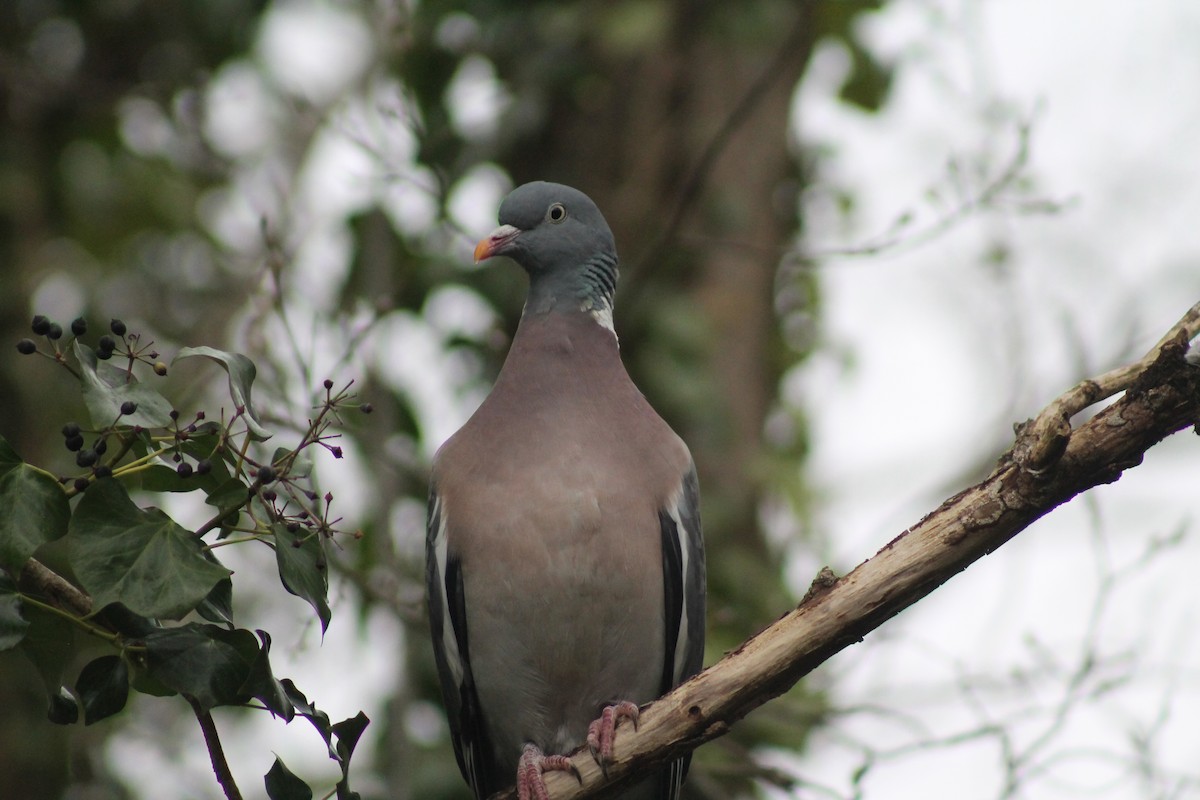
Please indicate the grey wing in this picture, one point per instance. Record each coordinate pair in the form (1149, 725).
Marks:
(683, 597)
(448, 625)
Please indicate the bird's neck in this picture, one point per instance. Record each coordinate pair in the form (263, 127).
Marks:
(588, 289)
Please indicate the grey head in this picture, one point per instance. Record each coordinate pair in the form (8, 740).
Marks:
(558, 235)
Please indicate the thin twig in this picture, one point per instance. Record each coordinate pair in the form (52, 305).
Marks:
(216, 753)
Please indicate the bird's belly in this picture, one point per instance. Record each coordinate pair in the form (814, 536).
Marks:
(574, 619)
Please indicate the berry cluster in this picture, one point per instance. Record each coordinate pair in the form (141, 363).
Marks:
(92, 458)
(118, 342)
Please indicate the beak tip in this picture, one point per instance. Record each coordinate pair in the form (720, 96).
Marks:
(483, 250)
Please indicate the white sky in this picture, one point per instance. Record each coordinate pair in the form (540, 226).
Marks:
(940, 349)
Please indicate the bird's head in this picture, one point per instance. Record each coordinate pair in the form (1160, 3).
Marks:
(561, 239)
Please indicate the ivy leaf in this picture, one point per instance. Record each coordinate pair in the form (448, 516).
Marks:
(303, 570)
(218, 605)
(161, 478)
(105, 390)
(262, 683)
(12, 625)
(205, 662)
(282, 784)
(103, 688)
(49, 644)
(348, 732)
(302, 462)
(63, 710)
(318, 718)
(35, 509)
(138, 557)
(242, 372)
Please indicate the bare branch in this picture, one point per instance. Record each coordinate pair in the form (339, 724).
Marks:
(1162, 396)
(40, 580)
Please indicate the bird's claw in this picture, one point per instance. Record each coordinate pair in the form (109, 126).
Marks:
(531, 766)
(602, 731)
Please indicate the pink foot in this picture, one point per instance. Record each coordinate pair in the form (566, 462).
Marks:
(533, 762)
(602, 731)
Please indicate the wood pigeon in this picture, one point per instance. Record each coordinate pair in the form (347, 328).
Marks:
(565, 567)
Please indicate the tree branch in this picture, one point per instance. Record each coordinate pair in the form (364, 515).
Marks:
(1162, 396)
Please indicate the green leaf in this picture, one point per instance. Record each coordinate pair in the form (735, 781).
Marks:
(103, 688)
(302, 464)
(348, 732)
(161, 478)
(104, 390)
(318, 718)
(303, 569)
(282, 784)
(205, 662)
(263, 684)
(63, 710)
(138, 557)
(229, 495)
(35, 509)
(241, 373)
(218, 605)
(12, 625)
(49, 644)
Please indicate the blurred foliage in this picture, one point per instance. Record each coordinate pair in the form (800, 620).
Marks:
(168, 162)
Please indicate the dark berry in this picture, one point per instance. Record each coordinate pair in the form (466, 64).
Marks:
(70, 429)
(174, 414)
(79, 326)
(55, 331)
(117, 327)
(184, 470)
(81, 484)
(199, 415)
(74, 443)
(337, 452)
(266, 474)
(293, 527)
(296, 543)
(269, 495)
(366, 408)
(128, 407)
(160, 368)
(203, 466)
(41, 325)
(328, 384)
(106, 344)
(26, 347)
(101, 447)
(104, 355)
(85, 458)
(177, 458)
(103, 471)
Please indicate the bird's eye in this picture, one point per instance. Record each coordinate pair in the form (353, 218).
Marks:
(557, 213)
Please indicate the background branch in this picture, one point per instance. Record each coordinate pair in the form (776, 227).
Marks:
(1162, 396)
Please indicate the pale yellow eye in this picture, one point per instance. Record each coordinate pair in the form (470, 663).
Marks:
(557, 213)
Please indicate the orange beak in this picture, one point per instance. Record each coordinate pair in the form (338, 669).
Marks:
(495, 242)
